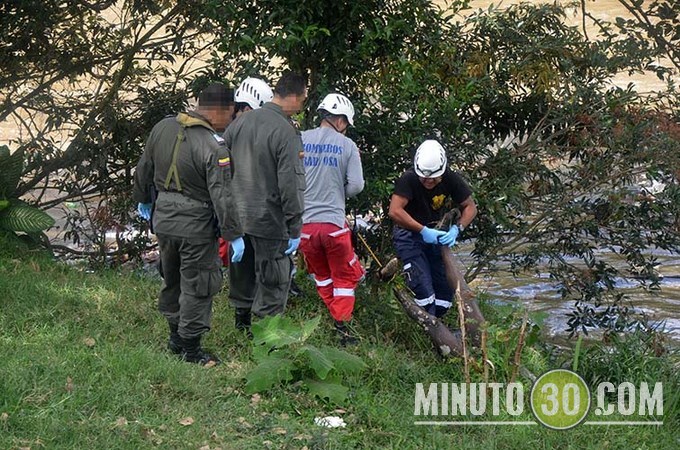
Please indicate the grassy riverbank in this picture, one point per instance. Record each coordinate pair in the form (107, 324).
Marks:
(83, 365)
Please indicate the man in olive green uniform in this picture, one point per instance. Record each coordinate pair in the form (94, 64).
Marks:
(268, 187)
(188, 165)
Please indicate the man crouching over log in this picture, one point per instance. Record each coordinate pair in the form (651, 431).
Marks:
(422, 196)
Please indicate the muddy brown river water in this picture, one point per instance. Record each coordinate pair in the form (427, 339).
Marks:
(537, 293)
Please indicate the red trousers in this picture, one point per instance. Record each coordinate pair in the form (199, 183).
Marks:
(224, 252)
(330, 257)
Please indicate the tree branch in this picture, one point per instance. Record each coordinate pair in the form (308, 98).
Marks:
(118, 79)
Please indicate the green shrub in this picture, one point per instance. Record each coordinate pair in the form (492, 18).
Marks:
(283, 355)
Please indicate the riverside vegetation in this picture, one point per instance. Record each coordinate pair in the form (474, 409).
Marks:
(558, 159)
(85, 366)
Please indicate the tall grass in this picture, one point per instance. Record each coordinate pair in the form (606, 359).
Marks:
(83, 365)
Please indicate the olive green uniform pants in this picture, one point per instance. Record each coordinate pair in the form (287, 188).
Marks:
(261, 280)
(192, 276)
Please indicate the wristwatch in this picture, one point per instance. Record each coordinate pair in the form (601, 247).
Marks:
(461, 228)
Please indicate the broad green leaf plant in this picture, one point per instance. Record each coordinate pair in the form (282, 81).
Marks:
(15, 215)
(283, 355)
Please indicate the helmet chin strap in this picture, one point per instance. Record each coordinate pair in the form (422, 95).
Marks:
(334, 127)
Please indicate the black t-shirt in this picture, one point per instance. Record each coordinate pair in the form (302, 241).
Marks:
(428, 206)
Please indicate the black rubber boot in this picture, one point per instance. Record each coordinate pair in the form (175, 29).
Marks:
(242, 320)
(294, 290)
(346, 338)
(174, 342)
(194, 353)
(440, 311)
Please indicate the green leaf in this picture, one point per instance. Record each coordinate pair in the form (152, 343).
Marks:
(274, 331)
(11, 167)
(318, 360)
(279, 331)
(261, 352)
(538, 317)
(309, 327)
(268, 373)
(577, 353)
(25, 218)
(344, 362)
(335, 392)
(264, 352)
(4, 204)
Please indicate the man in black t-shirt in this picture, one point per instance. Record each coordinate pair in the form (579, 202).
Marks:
(421, 197)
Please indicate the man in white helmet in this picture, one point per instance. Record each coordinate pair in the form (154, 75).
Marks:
(333, 173)
(421, 197)
(268, 183)
(251, 94)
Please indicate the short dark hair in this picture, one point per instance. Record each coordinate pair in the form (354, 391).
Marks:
(216, 94)
(290, 83)
(238, 107)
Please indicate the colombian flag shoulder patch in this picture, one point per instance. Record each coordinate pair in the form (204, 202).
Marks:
(224, 162)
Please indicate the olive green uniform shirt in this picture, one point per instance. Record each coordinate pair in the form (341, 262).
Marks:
(203, 168)
(268, 176)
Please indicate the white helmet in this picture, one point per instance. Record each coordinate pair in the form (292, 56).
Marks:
(338, 104)
(430, 160)
(253, 91)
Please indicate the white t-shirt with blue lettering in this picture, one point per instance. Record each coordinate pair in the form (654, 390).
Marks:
(333, 172)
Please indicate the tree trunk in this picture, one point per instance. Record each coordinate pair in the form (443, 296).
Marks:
(447, 342)
(473, 316)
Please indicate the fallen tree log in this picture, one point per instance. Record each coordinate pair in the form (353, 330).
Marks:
(474, 319)
(446, 341)
(472, 315)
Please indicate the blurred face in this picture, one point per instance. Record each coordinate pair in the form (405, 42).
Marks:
(430, 183)
(220, 118)
(296, 103)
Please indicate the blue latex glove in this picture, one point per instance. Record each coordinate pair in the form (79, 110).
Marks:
(293, 244)
(238, 246)
(450, 237)
(431, 236)
(144, 210)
